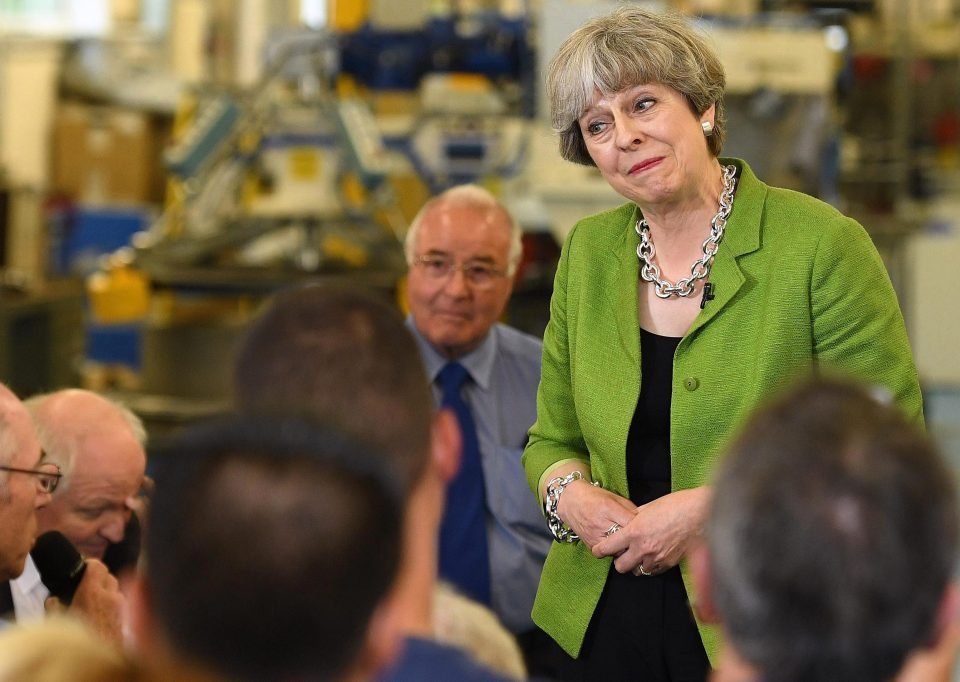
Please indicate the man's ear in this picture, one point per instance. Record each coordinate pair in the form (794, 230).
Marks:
(949, 610)
(936, 661)
(445, 444)
(383, 641)
(703, 604)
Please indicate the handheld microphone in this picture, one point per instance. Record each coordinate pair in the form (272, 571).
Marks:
(60, 565)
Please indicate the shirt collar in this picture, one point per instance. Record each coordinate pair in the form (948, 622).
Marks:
(30, 577)
(479, 361)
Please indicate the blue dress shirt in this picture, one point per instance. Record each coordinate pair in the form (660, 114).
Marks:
(424, 659)
(505, 372)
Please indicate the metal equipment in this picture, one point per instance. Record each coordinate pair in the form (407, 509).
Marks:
(232, 171)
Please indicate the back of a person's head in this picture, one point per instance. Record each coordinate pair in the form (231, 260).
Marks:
(832, 537)
(344, 357)
(271, 543)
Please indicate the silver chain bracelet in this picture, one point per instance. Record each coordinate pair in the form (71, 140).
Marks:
(555, 488)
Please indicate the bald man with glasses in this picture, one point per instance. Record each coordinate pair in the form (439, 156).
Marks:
(26, 482)
(25, 485)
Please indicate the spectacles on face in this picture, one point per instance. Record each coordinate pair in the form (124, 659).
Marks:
(48, 475)
(480, 275)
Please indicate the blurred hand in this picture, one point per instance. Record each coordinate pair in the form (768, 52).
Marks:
(98, 601)
(660, 533)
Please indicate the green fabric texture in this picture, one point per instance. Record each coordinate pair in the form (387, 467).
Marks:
(799, 288)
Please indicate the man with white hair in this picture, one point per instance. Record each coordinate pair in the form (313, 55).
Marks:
(462, 249)
(25, 484)
(27, 481)
(98, 446)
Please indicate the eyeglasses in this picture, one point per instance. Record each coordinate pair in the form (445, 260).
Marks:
(48, 475)
(480, 275)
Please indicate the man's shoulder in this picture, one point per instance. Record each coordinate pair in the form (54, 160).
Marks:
(512, 341)
(424, 659)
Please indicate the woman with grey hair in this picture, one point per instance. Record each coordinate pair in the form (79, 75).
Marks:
(672, 317)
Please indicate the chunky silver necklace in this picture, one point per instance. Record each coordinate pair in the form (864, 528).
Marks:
(646, 251)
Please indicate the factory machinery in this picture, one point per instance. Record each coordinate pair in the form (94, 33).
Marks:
(315, 170)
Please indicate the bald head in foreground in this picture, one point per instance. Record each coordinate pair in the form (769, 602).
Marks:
(99, 446)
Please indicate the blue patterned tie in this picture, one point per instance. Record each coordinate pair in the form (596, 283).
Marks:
(463, 534)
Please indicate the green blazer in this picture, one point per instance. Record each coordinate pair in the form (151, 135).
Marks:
(798, 286)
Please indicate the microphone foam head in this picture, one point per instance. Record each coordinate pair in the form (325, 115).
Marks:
(59, 564)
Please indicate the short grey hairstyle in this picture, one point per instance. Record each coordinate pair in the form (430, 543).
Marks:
(629, 47)
(469, 195)
(62, 450)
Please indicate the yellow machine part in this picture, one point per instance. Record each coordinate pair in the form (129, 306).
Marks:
(347, 16)
(118, 295)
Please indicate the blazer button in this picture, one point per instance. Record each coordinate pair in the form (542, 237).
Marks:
(691, 383)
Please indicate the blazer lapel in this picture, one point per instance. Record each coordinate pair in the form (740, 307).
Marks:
(742, 236)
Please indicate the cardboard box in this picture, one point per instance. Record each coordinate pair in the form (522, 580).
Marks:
(108, 155)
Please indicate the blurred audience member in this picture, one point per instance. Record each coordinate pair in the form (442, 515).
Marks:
(831, 542)
(26, 484)
(345, 357)
(271, 549)
(99, 447)
(61, 649)
(462, 622)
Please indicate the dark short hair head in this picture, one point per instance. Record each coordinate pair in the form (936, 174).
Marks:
(629, 47)
(833, 536)
(270, 544)
(345, 357)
